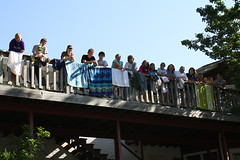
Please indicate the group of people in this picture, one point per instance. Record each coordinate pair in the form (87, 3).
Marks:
(40, 51)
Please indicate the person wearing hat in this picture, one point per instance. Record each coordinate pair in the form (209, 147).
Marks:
(39, 52)
(68, 54)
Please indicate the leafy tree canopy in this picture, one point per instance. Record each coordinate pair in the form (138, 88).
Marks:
(221, 39)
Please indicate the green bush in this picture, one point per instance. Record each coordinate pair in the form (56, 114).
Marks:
(26, 145)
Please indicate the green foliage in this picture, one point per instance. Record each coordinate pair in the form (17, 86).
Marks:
(26, 146)
(221, 39)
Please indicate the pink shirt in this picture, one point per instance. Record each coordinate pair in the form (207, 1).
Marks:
(144, 71)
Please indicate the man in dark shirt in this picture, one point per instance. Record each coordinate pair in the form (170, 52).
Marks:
(89, 59)
(17, 44)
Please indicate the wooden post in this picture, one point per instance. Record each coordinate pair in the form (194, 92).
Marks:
(32, 74)
(25, 72)
(61, 80)
(40, 77)
(47, 76)
(117, 141)
(1, 68)
(31, 123)
(54, 80)
(223, 146)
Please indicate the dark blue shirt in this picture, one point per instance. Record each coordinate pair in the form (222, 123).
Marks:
(16, 46)
(191, 77)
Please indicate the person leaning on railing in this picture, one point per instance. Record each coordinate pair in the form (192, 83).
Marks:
(191, 75)
(89, 58)
(40, 57)
(208, 79)
(100, 61)
(145, 69)
(117, 63)
(200, 79)
(16, 45)
(68, 54)
(219, 82)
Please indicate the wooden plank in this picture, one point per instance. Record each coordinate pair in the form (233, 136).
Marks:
(47, 76)
(1, 68)
(25, 73)
(54, 80)
(40, 77)
(32, 74)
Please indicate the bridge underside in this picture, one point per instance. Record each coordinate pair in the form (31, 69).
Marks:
(65, 119)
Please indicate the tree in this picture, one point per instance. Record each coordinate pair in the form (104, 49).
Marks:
(27, 147)
(221, 39)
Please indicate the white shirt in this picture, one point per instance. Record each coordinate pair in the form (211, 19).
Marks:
(162, 71)
(102, 63)
(130, 66)
(181, 75)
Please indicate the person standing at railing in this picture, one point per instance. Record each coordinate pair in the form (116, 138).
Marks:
(134, 77)
(172, 77)
(208, 79)
(145, 70)
(170, 72)
(117, 63)
(130, 65)
(100, 61)
(68, 54)
(16, 45)
(191, 75)
(181, 77)
(162, 71)
(40, 57)
(200, 78)
(89, 58)
(219, 82)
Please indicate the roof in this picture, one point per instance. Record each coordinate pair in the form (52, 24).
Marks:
(209, 67)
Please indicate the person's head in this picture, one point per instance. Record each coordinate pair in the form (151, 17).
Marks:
(200, 76)
(181, 69)
(219, 76)
(130, 59)
(162, 65)
(118, 57)
(101, 55)
(69, 48)
(43, 41)
(90, 52)
(18, 37)
(191, 71)
(171, 68)
(145, 64)
(152, 66)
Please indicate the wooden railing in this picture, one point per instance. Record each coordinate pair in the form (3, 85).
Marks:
(224, 99)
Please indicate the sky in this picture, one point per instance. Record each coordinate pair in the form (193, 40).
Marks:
(147, 29)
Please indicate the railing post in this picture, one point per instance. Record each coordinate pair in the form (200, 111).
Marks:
(47, 76)
(223, 146)
(1, 68)
(54, 79)
(61, 80)
(117, 141)
(176, 95)
(32, 74)
(40, 76)
(25, 71)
